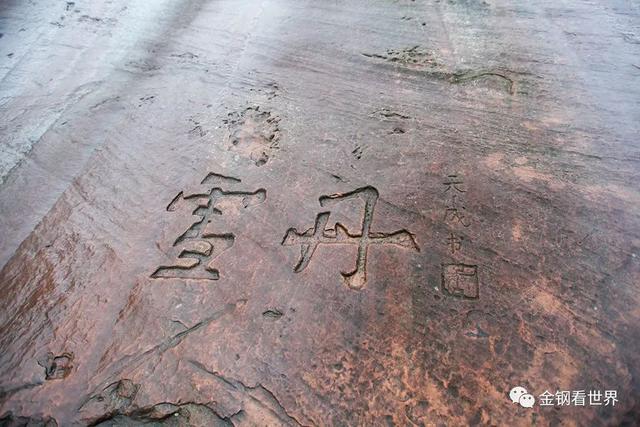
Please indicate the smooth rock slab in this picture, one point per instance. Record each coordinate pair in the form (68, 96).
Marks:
(318, 213)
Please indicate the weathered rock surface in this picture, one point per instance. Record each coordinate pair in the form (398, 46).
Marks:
(318, 213)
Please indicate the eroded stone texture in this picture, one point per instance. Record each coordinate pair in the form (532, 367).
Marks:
(396, 210)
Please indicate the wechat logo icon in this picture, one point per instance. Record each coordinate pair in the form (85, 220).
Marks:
(520, 395)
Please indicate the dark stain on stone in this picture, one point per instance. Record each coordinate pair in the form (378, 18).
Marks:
(56, 367)
(273, 314)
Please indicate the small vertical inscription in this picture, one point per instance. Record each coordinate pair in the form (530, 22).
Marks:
(458, 279)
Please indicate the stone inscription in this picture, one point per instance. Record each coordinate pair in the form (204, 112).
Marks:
(322, 234)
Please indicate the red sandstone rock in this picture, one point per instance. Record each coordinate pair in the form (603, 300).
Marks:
(318, 213)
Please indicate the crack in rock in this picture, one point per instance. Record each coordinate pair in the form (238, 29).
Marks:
(261, 401)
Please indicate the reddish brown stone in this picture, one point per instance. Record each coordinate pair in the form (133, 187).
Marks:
(318, 213)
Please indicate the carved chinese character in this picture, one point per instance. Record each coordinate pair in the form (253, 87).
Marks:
(321, 234)
(454, 242)
(454, 182)
(454, 213)
(461, 280)
(199, 245)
